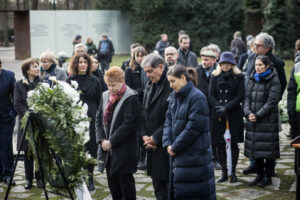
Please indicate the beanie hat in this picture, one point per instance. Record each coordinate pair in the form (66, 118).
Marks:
(77, 37)
(227, 57)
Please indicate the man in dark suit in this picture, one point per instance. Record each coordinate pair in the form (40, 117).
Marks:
(155, 106)
(105, 52)
(7, 122)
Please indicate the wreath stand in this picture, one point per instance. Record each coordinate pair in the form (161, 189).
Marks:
(58, 163)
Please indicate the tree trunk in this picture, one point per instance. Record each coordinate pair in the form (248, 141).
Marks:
(34, 5)
(254, 21)
(5, 23)
(68, 5)
(18, 5)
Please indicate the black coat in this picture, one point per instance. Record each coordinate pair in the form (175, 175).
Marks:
(155, 106)
(187, 59)
(187, 131)
(203, 80)
(262, 140)
(227, 90)
(237, 47)
(20, 103)
(133, 78)
(121, 133)
(100, 77)
(91, 94)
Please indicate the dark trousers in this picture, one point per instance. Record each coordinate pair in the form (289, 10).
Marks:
(214, 150)
(122, 186)
(264, 166)
(104, 63)
(221, 149)
(6, 150)
(28, 165)
(160, 189)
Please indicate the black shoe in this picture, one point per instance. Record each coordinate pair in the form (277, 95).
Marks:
(249, 170)
(265, 182)
(28, 184)
(91, 185)
(6, 182)
(223, 177)
(39, 183)
(141, 165)
(233, 178)
(257, 179)
(273, 173)
(217, 165)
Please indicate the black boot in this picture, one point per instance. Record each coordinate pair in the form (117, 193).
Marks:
(28, 184)
(257, 179)
(224, 176)
(267, 180)
(235, 157)
(233, 175)
(91, 185)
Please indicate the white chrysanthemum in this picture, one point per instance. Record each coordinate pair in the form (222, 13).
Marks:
(52, 78)
(46, 85)
(69, 91)
(74, 84)
(84, 110)
(30, 93)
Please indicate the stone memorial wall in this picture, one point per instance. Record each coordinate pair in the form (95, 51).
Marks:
(56, 30)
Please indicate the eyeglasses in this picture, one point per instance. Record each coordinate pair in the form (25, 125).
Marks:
(258, 45)
(170, 54)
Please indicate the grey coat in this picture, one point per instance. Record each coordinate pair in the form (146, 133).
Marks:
(187, 59)
(58, 72)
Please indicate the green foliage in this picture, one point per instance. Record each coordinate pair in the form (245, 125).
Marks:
(276, 23)
(212, 21)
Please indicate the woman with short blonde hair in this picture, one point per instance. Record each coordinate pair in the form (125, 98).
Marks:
(49, 67)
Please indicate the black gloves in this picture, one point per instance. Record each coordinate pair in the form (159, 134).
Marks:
(220, 110)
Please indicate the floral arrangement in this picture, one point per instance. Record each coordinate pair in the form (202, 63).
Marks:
(60, 123)
(283, 111)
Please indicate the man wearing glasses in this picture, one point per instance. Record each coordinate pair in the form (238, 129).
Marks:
(171, 56)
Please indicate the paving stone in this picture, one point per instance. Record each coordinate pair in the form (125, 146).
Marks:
(243, 194)
(20, 195)
(143, 180)
(248, 179)
(282, 166)
(275, 184)
(1, 189)
(150, 188)
(218, 173)
(144, 198)
(18, 189)
(287, 153)
(230, 184)
(139, 187)
(139, 175)
(293, 187)
(286, 161)
(289, 172)
(219, 187)
(20, 182)
(242, 166)
(102, 181)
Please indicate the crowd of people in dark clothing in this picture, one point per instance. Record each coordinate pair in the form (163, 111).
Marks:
(164, 113)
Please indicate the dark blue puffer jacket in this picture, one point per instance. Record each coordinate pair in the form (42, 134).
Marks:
(187, 131)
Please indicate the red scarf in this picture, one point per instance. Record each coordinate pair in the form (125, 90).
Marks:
(109, 110)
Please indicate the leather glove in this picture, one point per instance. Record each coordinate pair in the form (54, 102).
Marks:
(293, 120)
(220, 110)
